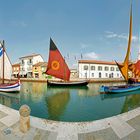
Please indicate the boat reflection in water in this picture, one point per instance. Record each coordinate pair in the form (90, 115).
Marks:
(9, 99)
(56, 101)
(131, 99)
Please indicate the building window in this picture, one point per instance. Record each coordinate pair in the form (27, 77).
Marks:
(30, 60)
(85, 67)
(22, 61)
(92, 67)
(100, 75)
(85, 75)
(92, 75)
(106, 75)
(112, 69)
(117, 69)
(112, 75)
(106, 68)
(118, 75)
(99, 68)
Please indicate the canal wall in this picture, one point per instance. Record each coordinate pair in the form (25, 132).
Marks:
(101, 80)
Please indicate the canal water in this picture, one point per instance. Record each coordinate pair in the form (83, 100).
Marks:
(70, 104)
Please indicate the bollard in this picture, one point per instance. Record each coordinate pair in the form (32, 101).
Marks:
(24, 118)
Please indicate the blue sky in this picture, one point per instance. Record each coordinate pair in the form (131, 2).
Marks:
(97, 29)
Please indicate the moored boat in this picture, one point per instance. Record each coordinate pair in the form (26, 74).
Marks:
(68, 84)
(13, 88)
(124, 69)
(58, 68)
(119, 89)
(6, 72)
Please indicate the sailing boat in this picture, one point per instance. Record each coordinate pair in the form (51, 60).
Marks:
(124, 68)
(6, 72)
(58, 68)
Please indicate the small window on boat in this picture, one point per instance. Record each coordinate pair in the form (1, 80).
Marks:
(85, 67)
(92, 67)
(112, 69)
(106, 68)
(100, 68)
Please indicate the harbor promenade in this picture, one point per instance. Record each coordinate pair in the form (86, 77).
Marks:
(125, 126)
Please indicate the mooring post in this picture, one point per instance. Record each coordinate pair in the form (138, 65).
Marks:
(24, 118)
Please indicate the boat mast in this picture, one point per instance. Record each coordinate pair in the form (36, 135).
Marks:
(3, 61)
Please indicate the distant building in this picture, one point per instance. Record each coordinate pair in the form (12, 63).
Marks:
(73, 73)
(15, 69)
(98, 69)
(27, 62)
(39, 69)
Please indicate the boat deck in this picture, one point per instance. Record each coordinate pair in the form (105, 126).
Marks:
(125, 126)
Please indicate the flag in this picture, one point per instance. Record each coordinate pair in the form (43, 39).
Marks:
(1, 51)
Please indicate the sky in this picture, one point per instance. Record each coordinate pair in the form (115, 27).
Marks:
(91, 29)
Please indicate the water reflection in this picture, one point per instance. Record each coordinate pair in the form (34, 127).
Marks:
(70, 104)
(9, 99)
(131, 99)
(56, 101)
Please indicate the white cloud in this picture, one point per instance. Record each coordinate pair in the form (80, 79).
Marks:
(119, 36)
(91, 55)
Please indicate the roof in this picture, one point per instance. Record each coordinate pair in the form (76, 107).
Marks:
(96, 62)
(40, 64)
(16, 65)
(32, 55)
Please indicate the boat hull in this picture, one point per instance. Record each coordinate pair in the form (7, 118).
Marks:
(13, 88)
(119, 89)
(67, 84)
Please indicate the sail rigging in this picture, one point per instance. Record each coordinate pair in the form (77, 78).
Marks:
(5, 64)
(57, 66)
(124, 67)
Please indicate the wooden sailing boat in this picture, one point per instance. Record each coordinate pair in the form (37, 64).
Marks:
(58, 68)
(6, 72)
(124, 70)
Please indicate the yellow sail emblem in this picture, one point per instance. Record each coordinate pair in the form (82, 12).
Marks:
(55, 65)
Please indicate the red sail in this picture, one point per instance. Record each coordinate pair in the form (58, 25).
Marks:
(57, 66)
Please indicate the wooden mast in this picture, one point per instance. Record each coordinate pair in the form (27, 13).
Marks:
(3, 61)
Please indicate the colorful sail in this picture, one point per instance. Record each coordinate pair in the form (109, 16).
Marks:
(135, 69)
(124, 67)
(7, 64)
(57, 66)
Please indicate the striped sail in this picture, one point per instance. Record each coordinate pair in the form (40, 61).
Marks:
(7, 65)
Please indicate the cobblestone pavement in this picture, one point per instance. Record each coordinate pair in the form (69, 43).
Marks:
(125, 127)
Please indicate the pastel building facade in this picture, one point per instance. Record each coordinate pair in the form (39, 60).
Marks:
(98, 69)
(15, 70)
(39, 70)
(27, 62)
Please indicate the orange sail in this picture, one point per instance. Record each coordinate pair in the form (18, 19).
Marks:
(124, 67)
(135, 69)
(57, 66)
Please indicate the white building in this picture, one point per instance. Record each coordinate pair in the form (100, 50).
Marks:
(98, 69)
(27, 62)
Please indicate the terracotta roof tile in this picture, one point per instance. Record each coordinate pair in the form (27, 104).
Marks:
(97, 62)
